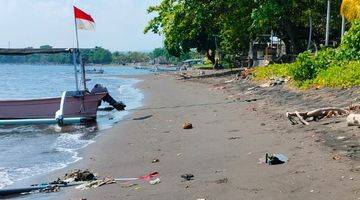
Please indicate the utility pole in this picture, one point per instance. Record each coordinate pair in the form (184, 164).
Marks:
(217, 46)
(310, 33)
(343, 25)
(9, 44)
(327, 23)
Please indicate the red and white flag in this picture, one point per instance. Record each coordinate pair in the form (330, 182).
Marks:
(84, 21)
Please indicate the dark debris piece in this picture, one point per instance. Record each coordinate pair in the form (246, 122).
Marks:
(187, 177)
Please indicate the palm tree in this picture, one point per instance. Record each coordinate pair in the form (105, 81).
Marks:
(350, 9)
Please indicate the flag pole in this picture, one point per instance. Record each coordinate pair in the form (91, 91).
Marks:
(76, 32)
(75, 55)
(83, 80)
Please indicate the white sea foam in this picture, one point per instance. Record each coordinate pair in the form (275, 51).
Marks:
(70, 143)
(4, 178)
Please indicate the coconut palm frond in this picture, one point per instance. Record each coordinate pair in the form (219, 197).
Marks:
(350, 9)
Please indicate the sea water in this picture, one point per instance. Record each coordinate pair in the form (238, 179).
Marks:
(27, 151)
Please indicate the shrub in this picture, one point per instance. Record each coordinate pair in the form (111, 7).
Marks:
(308, 66)
(303, 67)
(350, 44)
(346, 75)
(272, 71)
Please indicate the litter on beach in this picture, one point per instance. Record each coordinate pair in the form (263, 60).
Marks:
(222, 181)
(337, 157)
(155, 160)
(155, 181)
(79, 179)
(274, 159)
(96, 183)
(187, 125)
(187, 177)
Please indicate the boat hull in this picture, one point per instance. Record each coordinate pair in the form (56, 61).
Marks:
(83, 106)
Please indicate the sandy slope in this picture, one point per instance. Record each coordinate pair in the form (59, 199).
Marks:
(206, 151)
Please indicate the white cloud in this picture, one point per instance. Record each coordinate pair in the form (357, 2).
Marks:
(119, 24)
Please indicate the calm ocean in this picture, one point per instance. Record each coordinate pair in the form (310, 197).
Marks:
(27, 151)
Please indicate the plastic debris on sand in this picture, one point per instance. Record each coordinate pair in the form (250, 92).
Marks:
(155, 181)
(95, 184)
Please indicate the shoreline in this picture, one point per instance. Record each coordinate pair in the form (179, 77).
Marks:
(49, 176)
(222, 151)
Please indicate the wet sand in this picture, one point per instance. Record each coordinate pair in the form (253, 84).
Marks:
(223, 149)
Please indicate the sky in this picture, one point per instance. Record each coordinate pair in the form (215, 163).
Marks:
(119, 24)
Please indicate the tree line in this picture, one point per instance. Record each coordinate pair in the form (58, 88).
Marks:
(99, 55)
(229, 26)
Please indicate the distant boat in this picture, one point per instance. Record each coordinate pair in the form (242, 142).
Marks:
(94, 71)
(165, 69)
(139, 67)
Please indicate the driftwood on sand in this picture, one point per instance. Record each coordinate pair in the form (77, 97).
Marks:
(315, 115)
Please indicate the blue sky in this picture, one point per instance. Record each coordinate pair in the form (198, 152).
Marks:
(119, 24)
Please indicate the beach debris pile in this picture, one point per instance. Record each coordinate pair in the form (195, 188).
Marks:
(246, 73)
(315, 115)
(78, 175)
(79, 179)
(187, 125)
(96, 183)
(106, 181)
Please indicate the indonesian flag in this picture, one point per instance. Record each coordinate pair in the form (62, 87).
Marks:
(84, 21)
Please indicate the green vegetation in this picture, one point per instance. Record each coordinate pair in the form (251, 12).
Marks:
(225, 28)
(97, 55)
(130, 57)
(272, 72)
(347, 75)
(162, 56)
(328, 67)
